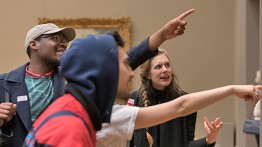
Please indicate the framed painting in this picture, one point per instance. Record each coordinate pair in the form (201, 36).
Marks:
(85, 26)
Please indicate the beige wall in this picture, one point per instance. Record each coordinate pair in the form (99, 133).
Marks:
(203, 58)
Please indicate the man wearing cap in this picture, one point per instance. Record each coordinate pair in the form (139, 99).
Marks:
(45, 44)
(35, 85)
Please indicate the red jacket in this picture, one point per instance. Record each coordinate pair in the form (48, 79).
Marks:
(65, 130)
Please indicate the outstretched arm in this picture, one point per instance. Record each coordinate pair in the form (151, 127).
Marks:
(148, 48)
(190, 103)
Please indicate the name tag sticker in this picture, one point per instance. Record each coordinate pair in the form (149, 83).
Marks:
(22, 98)
(130, 102)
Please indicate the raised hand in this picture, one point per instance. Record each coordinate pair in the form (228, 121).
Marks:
(212, 129)
(171, 29)
(176, 26)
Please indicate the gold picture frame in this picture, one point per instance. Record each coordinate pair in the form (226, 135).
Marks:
(85, 26)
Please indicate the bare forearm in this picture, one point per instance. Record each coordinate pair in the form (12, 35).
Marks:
(187, 104)
(153, 115)
(190, 103)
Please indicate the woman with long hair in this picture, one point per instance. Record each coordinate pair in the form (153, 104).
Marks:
(159, 85)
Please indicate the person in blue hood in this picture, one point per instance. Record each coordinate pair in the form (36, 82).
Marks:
(91, 68)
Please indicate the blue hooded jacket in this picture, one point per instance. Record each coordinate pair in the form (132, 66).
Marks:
(90, 66)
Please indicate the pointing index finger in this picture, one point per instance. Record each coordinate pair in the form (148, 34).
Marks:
(185, 14)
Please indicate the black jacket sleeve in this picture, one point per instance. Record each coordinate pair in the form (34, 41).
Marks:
(140, 53)
(7, 127)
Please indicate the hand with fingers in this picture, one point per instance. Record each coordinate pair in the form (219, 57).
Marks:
(212, 129)
(248, 92)
(171, 29)
(176, 26)
(7, 111)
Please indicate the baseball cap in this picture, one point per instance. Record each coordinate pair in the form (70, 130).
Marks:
(48, 28)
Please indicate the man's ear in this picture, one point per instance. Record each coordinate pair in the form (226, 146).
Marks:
(33, 45)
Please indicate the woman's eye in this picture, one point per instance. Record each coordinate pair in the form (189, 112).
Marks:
(167, 65)
(158, 66)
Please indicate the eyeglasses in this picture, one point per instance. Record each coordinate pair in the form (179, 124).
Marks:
(57, 37)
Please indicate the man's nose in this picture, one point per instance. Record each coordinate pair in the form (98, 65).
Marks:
(132, 74)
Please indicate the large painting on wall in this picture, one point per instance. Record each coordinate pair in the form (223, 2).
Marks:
(85, 26)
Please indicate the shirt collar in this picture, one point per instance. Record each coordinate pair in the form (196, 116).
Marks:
(38, 75)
